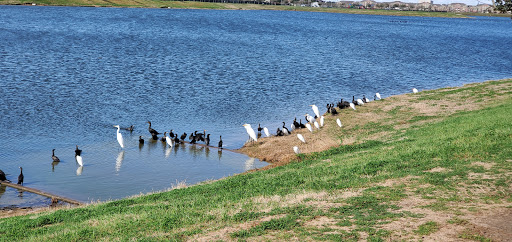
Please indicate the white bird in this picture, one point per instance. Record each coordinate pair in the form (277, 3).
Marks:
(309, 127)
(414, 90)
(322, 121)
(296, 150)
(353, 106)
(292, 127)
(79, 160)
(378, 95)
(315, 110)
(301, 138)
(119, 137)
(366, 100)
(317, 126)
(360, 102)
(79, 170)
(309, 118)
(168, 140)
(266, 131)
(338, 121)
(250, 131)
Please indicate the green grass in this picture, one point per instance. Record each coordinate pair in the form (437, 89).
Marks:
(263, 201)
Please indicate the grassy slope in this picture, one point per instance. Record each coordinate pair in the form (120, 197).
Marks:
(416, 182)
(205, 5)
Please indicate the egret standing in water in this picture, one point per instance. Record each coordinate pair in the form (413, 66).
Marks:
(120, 139)
(168, 140)
(315, 110)
(250, 131)
(79, 160)
(54, 157)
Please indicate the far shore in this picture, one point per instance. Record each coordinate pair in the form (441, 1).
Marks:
(234, 6)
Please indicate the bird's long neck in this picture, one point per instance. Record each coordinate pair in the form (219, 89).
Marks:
(53, 152)
(21, 170)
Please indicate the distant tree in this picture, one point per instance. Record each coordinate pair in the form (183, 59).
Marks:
(503, 6)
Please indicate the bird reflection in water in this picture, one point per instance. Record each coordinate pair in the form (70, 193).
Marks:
(249, 164)
(119, 160)
(2, 189)
(219, 153)
(168, 152)
(79, 170)
(207, 152)
(53, 165)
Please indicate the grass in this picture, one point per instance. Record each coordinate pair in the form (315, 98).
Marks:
(231, 6)
(364, 190)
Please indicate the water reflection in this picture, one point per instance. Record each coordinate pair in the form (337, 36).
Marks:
(119, 160)
(168, 152)
(219, 153)
(79, 170)
(2, 189)
(54, 164)
(249, 164)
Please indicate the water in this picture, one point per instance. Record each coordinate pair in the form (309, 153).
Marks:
(67, 75)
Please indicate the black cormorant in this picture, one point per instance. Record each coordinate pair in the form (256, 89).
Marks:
(220, 142)
(20, 177)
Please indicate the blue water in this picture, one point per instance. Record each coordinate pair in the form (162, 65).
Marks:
(67, 75)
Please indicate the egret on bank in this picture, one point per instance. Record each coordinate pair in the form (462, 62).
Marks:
(414, 90)
(353, 106)
(378, 95)
(317, 126)
(309, 127)
(250, 131)
(301, 138)
(360, 102)
(322, 121)
(265, 130)
(315, 110)
(119, 137)
(296, 150)
(338, 121)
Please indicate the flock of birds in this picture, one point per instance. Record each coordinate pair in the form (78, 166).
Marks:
(317, 121)
(172, 139)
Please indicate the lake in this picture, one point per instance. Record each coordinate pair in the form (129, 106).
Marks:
(68, 74)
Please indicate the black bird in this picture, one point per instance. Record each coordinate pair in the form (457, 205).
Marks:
(154, 136)
(207, 140)
(297, 125)
(171, 134)
(176, 140)
(129, 128)
(77, 151)
(192, 135)
(55, 158)
(259, 129)
(333, 111)
(285, 130)
(141, 140)
(200, 137)
(354, 101)
(279, 132)
(183, 136)
(2, 176)
(301, 124)
(20, 177)
(364, 99)
(152, 131)
(163, 138)
(194, 139)
(220, 142)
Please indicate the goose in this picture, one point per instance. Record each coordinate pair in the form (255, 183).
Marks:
(55, 158)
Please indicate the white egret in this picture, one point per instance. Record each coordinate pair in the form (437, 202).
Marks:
(79, 160)
(322, 121)
(378, 95)
(366, 100)
(292, 127)
(309, 127)
(265, 130)
(414, 90)
(353, 106)
(360, 102)
(119, 137)
(296, 150)
(338, 121)
(168, 140)
(309, 118)
(250, 131)
(315, 110)
(301, 138)
(317, 126)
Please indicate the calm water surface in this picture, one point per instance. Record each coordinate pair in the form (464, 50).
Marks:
(67, 75)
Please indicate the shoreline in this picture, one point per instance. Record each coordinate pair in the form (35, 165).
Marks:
(240, 6)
